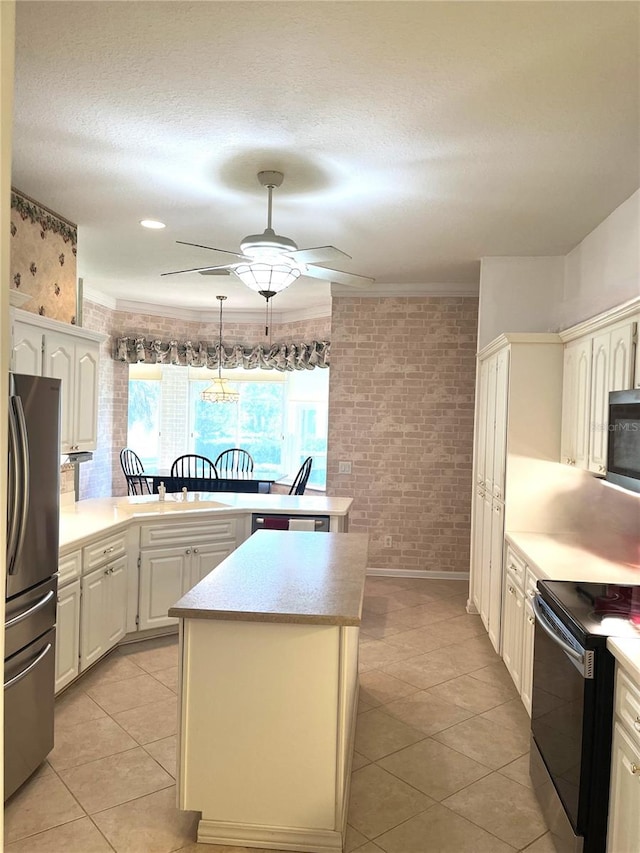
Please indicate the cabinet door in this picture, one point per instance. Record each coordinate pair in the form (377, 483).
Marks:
(490, 427)
(163, 574)
(476, 548)
(67, 634)
(485, 562)
(576, 385)
(600, 369)
(481, 422)
(59, 363)
(115, 617)
(512, 629)
(26, 349)
(92, 617)
(496, 583)
(529, 629)
(624, 804)
(500, 423)
(204, 558)
(85, 425)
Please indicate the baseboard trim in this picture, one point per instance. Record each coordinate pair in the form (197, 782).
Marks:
(405, 573)
(269, 837)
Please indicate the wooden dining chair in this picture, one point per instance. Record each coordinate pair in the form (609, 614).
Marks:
(193, 465)
(300, 482)
(234, 463)
(133, 469)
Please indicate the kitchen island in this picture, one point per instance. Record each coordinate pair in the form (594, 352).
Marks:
(268, 691)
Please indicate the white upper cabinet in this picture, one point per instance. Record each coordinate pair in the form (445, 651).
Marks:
(596, 362)
(575, 403)
(42, 347)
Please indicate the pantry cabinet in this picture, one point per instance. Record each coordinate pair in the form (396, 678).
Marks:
(624, 803)
(43, 347)
(518, 394)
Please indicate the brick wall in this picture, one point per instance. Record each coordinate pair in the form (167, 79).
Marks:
(401, 405)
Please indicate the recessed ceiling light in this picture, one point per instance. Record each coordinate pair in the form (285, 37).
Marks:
(152, 223)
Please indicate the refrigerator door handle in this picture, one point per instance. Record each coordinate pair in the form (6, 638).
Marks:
(13, 496)
(24, 479)
(27, 670)
(26, 613)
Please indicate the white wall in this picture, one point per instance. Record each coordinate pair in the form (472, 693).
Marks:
(549, 294)
(604, 269)
(518, 295)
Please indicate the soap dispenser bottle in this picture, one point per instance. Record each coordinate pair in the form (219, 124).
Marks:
(162, 491)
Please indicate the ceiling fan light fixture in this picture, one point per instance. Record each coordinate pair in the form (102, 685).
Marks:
(273, 277)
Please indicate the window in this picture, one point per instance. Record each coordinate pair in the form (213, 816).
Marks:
(280, 418)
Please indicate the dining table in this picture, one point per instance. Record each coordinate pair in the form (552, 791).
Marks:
(258, 483)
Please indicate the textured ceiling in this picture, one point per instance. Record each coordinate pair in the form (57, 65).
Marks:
(417, 137)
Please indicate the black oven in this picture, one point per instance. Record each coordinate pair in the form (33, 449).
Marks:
(572, 708)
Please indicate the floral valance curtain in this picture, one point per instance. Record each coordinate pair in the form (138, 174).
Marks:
(277, 357)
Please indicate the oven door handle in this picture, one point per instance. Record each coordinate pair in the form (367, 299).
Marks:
(548, 629)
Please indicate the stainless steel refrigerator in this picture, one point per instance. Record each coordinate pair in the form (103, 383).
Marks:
(33, 497)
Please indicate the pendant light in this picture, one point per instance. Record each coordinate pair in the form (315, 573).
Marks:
(219, 391)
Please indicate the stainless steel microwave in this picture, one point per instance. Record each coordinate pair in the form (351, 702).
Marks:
(623, 448)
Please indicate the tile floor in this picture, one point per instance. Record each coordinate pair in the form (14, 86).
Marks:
(441, 754)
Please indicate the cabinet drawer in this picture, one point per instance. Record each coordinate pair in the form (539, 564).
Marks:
(69, 568)
(627, 705)
(104, 551)
(516, 567)
(187, 534)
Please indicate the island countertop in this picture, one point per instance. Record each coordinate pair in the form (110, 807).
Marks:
(284, 576)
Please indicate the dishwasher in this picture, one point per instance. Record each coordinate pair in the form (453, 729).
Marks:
(282, 521)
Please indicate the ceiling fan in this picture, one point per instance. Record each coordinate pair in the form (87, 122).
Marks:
(268, 262)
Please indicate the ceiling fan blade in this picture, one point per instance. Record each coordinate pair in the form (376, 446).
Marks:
(212, 249)
(339, 277)
(205, 270)
(216, 271)
(318, 255)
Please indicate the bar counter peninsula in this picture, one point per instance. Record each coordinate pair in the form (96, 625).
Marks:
(269, 689)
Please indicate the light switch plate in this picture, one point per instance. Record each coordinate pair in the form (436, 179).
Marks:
(344, 467)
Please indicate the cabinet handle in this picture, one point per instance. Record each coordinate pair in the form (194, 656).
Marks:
(108, 550)
(496, 509)
(531, 619)
(512, 591)
(106, 571)
(188, 551)
(195, 550)
(531, 593)
(635, 769)
(636, 723)
(602, 469)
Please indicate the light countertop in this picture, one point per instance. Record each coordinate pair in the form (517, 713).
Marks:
(278, 576)
(564, 556)
(81, 521)
(627, 653)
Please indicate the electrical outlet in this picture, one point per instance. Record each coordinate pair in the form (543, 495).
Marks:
(388, 541)
(344, 467)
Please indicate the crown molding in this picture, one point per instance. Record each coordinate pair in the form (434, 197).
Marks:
(435, 288)
(313, 312)
(606, 318)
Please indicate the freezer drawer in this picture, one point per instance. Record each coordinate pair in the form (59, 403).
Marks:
(28, 710)
(29, 616)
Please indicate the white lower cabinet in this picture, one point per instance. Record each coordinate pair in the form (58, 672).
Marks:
(67, 635)
(624, 803)
(167, 573)
(518, 624)
(103, 611)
